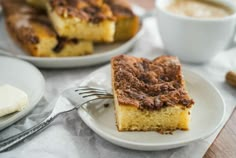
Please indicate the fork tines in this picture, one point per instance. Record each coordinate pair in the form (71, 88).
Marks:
(89, 88)
(86, 91)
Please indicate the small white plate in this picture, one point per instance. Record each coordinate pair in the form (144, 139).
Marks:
(102, 53)
(25, 77)
(207, 115)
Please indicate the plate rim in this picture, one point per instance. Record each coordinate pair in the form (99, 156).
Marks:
(154, 146)
(23, 113)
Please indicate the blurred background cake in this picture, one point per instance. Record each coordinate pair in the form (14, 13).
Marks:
(59, 28)
(32, 30)
(88, 20)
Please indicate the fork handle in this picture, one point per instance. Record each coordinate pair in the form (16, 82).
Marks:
(10, 142)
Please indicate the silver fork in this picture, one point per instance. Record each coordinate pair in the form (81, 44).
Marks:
(72, 98)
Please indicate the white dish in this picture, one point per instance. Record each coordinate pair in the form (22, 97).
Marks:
(207, 115)
(102, 53)
(199, 39)
(25, 77)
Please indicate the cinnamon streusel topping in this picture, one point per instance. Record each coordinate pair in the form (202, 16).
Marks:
(149, 84)
(89, 10)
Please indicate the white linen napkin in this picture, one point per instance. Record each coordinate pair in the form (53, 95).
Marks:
(69, 137)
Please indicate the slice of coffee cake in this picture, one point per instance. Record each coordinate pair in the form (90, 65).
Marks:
(150, 95)
(83, 19)
(33, 31)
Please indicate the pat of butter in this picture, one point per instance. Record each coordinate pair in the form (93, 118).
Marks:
(12, 99)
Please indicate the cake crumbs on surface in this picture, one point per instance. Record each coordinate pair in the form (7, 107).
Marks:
(106, 105)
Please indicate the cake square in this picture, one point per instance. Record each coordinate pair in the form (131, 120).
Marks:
(150, 95)
(82, 19)
(127, 23)
(32, 30)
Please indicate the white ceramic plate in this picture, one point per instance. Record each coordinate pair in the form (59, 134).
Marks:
(25, 77)
(207, 116)
(102, 53)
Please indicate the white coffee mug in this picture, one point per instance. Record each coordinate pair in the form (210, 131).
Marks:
(195, 40)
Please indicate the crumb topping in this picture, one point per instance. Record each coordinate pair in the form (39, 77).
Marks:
(149, 84)
(93, 11)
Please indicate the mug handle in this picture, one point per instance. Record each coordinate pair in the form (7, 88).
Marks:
(232, 43)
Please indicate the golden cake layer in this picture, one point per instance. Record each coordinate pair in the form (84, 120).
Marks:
(150, 95)
(82, 19)
(127, 23)
(33, 31)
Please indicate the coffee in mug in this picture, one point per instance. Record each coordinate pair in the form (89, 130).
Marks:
(199, 9)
